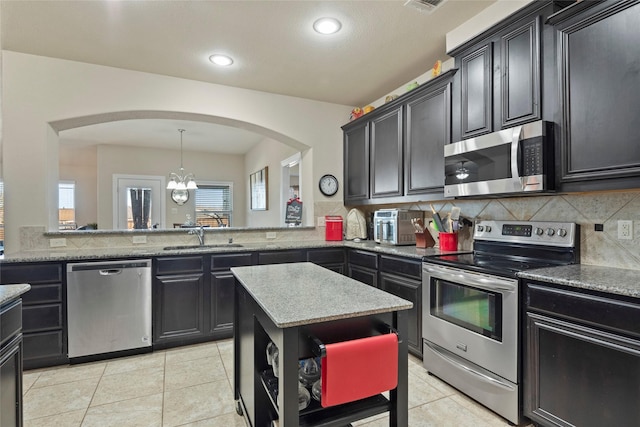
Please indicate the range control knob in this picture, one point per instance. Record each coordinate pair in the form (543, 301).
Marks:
(550, 232)
(488, 228)
(539, 231)
(562, 232)
(480, 228)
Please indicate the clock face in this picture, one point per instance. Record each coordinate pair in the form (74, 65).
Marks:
(328, 185)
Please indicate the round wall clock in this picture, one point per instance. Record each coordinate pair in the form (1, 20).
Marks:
(328, 185)
(180, 196)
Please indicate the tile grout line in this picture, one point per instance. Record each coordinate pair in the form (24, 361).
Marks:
(93, 394)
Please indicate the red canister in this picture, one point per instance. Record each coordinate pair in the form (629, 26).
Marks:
(333, 227)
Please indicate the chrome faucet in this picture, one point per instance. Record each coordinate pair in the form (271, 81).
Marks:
(198, 232)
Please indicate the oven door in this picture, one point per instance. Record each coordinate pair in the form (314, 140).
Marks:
(472, 315)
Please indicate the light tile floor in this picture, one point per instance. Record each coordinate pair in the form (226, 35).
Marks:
(192, 386)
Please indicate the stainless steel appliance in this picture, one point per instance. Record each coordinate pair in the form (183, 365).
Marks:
(471, 318)
(394, 227)
(515, 160)
(108, 306)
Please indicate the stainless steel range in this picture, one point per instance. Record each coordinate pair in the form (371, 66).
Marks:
(471, 320)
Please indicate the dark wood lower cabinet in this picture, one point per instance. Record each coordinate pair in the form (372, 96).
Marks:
(363, 266)
(179, 307)
(582, 359)
(221, 291)
(364, 275)
(333, 259)
(44, 325)
(11, 365)
(410, 290)
(222, 284)
(399, 276)
(403, 277)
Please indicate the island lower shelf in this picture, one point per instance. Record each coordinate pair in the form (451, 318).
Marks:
(316, 415)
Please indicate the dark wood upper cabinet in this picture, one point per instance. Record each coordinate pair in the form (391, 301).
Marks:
(520, 89)
(356, 162)
(501, 74)
(600, 76)
(386, 154)
(476, 74)
(395, 154)
(427, 129)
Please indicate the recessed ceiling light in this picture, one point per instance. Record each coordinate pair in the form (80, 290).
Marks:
(222, 60)
(327, 25)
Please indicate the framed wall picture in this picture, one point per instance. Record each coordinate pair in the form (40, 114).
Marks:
(259, 186)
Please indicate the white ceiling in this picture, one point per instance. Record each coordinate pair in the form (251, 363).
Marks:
(383, 44)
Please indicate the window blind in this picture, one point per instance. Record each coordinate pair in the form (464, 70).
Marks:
(214, 205)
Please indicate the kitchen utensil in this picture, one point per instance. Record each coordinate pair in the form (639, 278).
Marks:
(437, 219)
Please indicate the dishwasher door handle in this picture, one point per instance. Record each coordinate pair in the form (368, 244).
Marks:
(110, 272)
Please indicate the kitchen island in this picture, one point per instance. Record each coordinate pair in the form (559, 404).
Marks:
(289, 305)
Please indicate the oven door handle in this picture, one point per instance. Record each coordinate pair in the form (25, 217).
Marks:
(493, 284)
(486, 378)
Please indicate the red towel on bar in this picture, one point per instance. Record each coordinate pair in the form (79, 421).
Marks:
(357, 369)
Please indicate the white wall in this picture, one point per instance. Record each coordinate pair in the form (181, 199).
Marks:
(80, 165)
(144, 161)
(268, 153)
(39, 90)
(483, 21)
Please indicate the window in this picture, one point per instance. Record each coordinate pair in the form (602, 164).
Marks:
(66, 205)
(214, 204)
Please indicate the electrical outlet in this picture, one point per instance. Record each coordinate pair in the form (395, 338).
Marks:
(139, 239)
(57, 243)
(271, 234)
(321, 221)
(625, 229)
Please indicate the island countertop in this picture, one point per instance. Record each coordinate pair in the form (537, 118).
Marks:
(11, 292)
(304, 293)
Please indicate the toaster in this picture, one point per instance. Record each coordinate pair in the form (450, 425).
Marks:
(394, 227)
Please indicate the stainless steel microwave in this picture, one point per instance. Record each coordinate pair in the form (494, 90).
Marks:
(511, 161)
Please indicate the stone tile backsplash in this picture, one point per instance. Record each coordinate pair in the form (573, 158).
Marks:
(586, 209)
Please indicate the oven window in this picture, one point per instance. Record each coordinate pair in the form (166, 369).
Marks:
(474, 309)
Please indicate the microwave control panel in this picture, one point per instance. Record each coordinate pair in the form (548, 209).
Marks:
(532, 156)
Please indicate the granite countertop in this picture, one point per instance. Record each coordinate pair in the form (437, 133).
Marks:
(153, 251)
(596, 278)
(11, 292)
(304, 293)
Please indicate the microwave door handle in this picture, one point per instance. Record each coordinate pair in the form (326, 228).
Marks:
(515, 151)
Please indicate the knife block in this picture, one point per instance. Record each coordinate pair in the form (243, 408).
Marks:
(424, 240)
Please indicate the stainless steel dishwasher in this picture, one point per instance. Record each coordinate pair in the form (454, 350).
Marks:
(108, 306)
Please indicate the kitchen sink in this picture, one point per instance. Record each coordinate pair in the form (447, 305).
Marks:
(221, 245)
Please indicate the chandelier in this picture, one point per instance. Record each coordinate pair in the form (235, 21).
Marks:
(180, 181)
